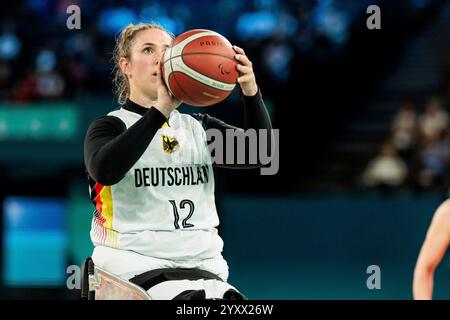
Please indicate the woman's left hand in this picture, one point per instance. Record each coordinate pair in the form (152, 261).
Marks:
(246, 79)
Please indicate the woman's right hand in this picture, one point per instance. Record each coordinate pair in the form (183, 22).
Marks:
(166, 101)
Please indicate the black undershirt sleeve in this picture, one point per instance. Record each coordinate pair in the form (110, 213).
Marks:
(110, 150)
(255, 117)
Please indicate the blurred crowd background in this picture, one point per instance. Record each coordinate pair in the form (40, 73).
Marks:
(364, 138)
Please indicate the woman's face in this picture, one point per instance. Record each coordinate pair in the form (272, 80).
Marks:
(143, 66)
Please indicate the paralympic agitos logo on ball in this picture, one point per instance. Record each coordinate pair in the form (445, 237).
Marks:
(222, 69)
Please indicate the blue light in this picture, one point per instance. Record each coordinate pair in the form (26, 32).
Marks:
(257, 25)
(34, 242)
(112, 21)
(174, 26)
(45, 61)
(9, 46)
(332, 22)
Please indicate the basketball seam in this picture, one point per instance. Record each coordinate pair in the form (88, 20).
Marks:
(166, 76)
(208, 53)
(204, 84)
(198, 72)
(181, 88)
(206, 76)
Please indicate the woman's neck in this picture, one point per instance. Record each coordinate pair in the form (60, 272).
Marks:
(142, 100)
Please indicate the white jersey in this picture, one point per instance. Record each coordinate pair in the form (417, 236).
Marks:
(164, 207)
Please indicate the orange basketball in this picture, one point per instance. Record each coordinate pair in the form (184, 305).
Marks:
(199, 68)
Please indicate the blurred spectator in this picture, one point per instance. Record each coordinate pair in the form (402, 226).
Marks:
(434, 120)
(25, 89)
(50, 85)
(387, 169)
(404, 129)
(43, 82)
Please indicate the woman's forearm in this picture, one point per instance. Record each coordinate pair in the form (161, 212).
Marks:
(423, 284)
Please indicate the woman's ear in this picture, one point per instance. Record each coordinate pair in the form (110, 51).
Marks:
(125, 66)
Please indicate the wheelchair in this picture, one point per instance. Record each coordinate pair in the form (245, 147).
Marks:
(99, 284)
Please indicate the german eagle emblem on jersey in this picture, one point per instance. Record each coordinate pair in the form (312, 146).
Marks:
(170, 144)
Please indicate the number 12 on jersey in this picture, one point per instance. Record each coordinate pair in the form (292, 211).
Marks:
(183, 204)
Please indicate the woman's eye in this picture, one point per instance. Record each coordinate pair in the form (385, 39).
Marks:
(148, 50)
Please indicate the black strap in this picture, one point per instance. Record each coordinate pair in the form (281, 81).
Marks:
(88, 269)
(230, 294)
(151, 278)
(191, 295)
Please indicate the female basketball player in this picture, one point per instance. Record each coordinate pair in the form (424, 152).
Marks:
(155, 219)
(432, 252)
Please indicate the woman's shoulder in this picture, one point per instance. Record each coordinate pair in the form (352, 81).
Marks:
(185, 117)
(121, 112)
(108, 121)
(192, 120)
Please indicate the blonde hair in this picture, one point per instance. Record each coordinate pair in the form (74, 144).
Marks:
(123, 49)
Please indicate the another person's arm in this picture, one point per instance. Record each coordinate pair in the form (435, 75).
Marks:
(433, 249)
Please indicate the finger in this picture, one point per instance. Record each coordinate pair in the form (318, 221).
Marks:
(243, 59)
(245, 78)
(239, 50)
(244, 69)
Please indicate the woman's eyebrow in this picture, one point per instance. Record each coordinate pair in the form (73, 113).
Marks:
(154, 45)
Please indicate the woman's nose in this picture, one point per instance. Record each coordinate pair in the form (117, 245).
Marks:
(158, 58)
